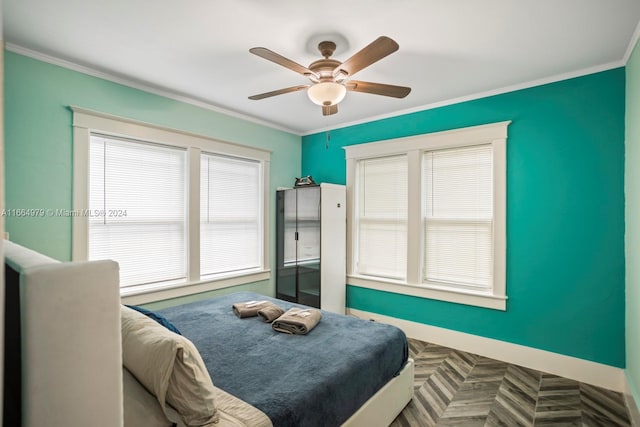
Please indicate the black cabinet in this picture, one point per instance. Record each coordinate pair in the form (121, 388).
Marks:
(311, 221)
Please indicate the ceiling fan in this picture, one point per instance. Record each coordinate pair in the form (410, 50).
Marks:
(331, 79)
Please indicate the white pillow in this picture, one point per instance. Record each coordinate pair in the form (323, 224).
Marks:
(169, 366)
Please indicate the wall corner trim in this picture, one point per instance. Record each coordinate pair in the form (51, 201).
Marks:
(582, 370)
(632, 400)
(632, 44)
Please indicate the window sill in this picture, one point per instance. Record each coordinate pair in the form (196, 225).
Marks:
(478, 299)
(161, 291)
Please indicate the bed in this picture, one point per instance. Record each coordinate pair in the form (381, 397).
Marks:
(67, 367)
(346, 371)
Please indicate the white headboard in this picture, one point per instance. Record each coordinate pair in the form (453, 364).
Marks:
(70, 340)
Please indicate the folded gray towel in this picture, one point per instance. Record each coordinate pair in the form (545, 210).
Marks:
(297, 321)
(270, 313)
(249, 308)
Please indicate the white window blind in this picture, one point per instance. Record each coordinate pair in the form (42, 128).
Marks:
(458, 216)
(137, 209)
(230, 214)
(382, 217)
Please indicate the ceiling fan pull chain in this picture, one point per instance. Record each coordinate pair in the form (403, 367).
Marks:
(327, 133)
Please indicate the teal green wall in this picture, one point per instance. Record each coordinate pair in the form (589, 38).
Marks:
(632, 194)
(565, 215)
(38, 141)
(565, 277)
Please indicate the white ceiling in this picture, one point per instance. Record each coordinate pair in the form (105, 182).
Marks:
(199, 49)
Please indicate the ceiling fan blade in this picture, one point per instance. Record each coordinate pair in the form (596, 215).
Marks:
(278, 92)
(378, 88)
(375, 51)
(281, 60)
(328, 110)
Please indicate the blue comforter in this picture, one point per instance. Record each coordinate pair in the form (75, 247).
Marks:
(318, 379)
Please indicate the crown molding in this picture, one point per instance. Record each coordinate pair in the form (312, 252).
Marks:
(144, 86)
(479, 95)
(632, 44)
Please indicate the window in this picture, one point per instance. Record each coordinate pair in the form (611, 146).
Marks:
(137, 209)
(428, 215)
(174, 209)
(382, 217)
(230, 214)
(458, 217)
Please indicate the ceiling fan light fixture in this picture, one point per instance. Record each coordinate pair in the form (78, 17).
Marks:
(326, 93)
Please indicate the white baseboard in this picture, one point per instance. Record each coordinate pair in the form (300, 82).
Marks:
(632, 404)
(598, 374)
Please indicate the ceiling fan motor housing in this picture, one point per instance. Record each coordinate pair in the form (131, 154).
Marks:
(323, 68)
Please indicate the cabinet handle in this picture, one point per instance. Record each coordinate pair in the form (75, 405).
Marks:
(296, 235)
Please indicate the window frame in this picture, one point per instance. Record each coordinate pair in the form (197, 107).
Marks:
(86, 122)
(414, 147)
